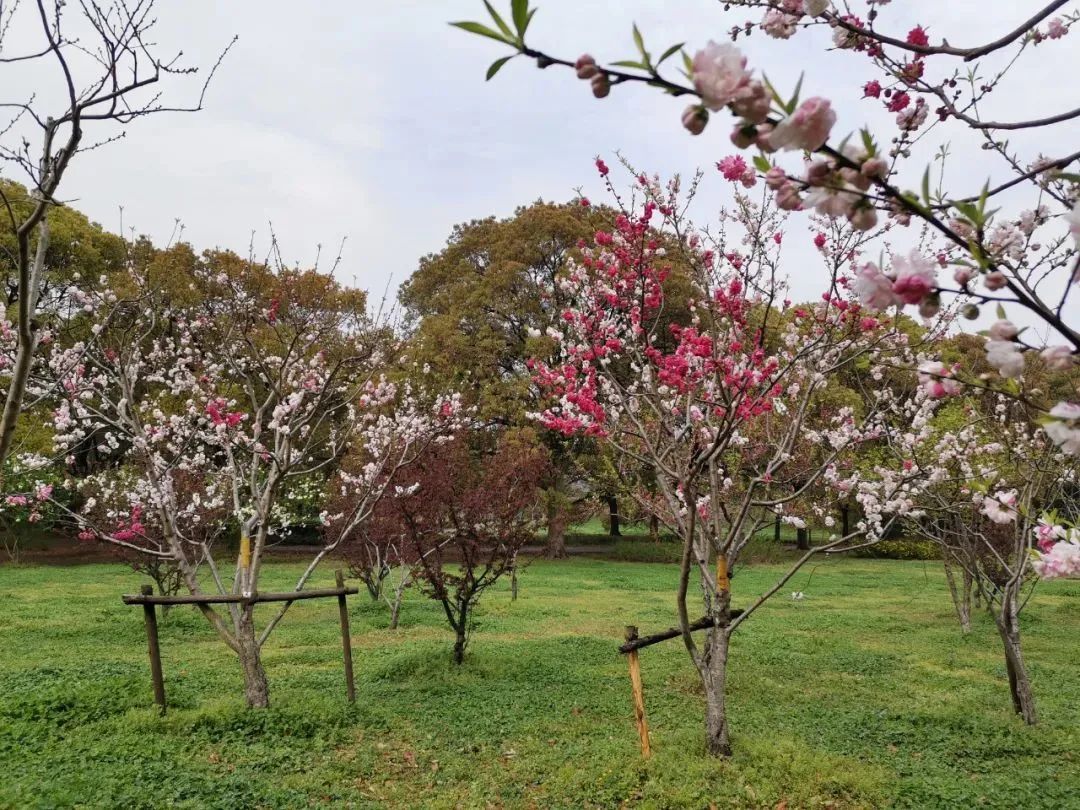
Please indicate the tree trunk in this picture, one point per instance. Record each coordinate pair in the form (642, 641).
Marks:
(714, 680)
(613, 516)
(513, 579)
(256, 689)
(802, 539)
(961, 597)
(557, 519)
(654, 528)
(1019, 683)
(395, 608)
(845, 520)
(776, 530)
(459, 643)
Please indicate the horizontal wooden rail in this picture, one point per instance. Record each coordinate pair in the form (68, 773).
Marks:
(674, 632)
(217, 599)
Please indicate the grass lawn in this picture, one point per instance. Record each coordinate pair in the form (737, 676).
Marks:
(863, 695)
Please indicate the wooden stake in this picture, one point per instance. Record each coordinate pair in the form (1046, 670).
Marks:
(346, 642)
(150, 618)
(639, 695)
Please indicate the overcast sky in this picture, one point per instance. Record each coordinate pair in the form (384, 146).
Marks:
(372, 121)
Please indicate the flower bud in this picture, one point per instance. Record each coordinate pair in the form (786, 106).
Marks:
(586, 67)
(775, 178)
(995, 280)
(863, 218)
(962, 275)
(817, 173)
(969, 311)
(743, 137)
(930, 306)
(1003, 330)
(1058, 358)
(600, 85)
(694, 119)
(874, 168)
(787, 198)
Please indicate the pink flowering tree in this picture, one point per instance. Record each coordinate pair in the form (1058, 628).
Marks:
(214, 400)
(999, 498)
(715, 409)
(1009, 242)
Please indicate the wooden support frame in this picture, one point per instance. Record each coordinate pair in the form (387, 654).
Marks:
(630, 648)
(149, 601)
(638, 694)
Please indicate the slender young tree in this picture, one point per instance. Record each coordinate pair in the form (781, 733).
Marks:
(105, 58)
(717, 415)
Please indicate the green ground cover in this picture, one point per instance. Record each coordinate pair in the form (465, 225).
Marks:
(862, 695)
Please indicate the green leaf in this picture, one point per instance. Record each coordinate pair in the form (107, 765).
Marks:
(688, 65)
(519, 9)
(482, 30)
(795, 98)
(1001, 312)
(984, 195)
(668, 53)
(496, 66)
(498, 20)
(630, 63)
(926, 186)
(868, 142)
(640, 42)
(761, 163)
(528, 20)
(772, 91)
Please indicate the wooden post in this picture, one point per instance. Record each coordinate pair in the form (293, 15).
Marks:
(639, 696)
(346, 642)
(150, 618)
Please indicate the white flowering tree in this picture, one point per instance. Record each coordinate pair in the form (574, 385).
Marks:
(111, 73)
(715, 413)
(999, 497)
(211, 400)
(1009, 241)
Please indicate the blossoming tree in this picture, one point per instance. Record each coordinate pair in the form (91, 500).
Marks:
(987, 485)
(715, 415)
(1011, 241)
(213, 399)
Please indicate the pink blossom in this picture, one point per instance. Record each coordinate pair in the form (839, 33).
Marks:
(807, 128)
(917, 36)
(719, 72)
(898, 102)
(752, 103)
(912, 118)
(995, 280)
(872, 89)
(1058, 358)
(874, 288)
(732, 167)
(915, 277)
(1061, 560)
(1001, 506)
(1056, 28)
(937, 380)
(1003, 330)
(778, 24)
(1006, 357)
